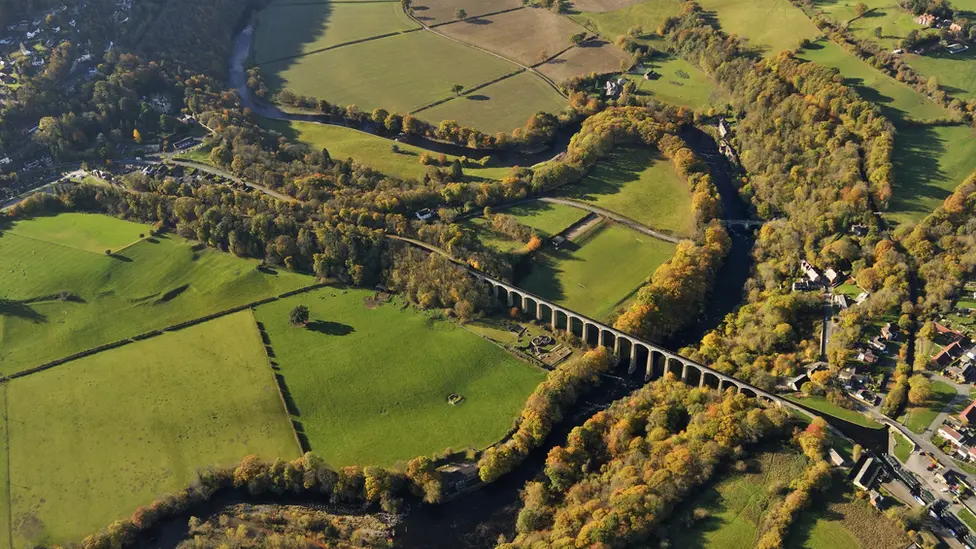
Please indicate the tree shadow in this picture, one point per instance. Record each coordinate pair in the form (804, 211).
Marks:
(478, 97)
(120, 257)
(624, 166)
(478, 21)
(286, 395)
(173, 294)
(20, 309)
(329, 328)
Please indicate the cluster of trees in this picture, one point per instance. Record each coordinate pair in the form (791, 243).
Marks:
(433, 281)
(306, 474)
(623, 472)
(545, 408)
(675, 295)
(247, 527)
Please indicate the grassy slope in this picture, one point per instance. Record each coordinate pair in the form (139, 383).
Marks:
(919, 418)
(295, 29)
(592, 279)
(955, 73)
(648, 15)
(772, 25)
(903, 448)
(400, 73)
(547, 219)
(500, 107)
(894, 21)
(821, 404)
(896, 99)
(844, 521)
(737, 503)
(4, 481)
(375, 152)
(371, 385)
(642, 185)
(94, 439)
(681, 83)
(120, 296)
(87, 232)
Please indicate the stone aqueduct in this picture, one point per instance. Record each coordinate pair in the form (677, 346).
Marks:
(655, 360)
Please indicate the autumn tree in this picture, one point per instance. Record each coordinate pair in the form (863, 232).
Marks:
(299, 315)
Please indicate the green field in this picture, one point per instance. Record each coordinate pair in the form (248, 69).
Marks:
(966, 516)
(771, 25)
(955, 73)
(930, 162)
(640, 184)
(844, 521)
(903, 448)
(92, 440)
(918, 418)
(821, 404)
(4, 481)
(401, 73)
(375, 152)
(895, 22)
(546, 219)
(648, 15)
(736, 504)
(680, 83)
(290, 29)
(896, 99)
(499, 107)
(598, 273)
(91, 233)
(370, 385)
(155, 283)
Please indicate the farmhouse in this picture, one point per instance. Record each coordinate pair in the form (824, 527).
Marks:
(926, 19)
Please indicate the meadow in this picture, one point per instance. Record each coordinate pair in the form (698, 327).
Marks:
(929, 163)
(841, 520)
(955, 73)
(770, 25)
(679, 83)
(521, 35)
(436, 12)
(738, 502)
(640, 184)
(400, 73)
(370, 382)
(5, 537)
(919, 418)
(501, 106)
(547, 219)
(895, 22)
(370, 150)
(597, 56)
(611, 24)
(63, 299)
(92, 440)
(588, 275)
(293, 29)
(824, 406)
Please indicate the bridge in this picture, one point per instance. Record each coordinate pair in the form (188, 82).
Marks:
(656, 361)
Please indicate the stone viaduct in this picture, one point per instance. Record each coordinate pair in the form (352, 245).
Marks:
(655, 361)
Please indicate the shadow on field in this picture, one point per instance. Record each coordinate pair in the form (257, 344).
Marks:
(918, 149)
(624, 166)
(120, 257)
(173, 294)
(329, 328)
(19, 309)
(286, 394)
(291, 34)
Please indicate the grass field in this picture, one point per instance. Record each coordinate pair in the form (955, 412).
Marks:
(896, 99)
(288, 30)
(895, 22)
(918, 418)
(903, 448)
(821, 404)
(4, 480)
(547, 219)
(611, 24)
(501, 106)
(590, 275)
(94, 439)
(844, 521)
(401, 73)
(642, 185)
(966, 516)
(90, 233)
(680, 83)
(433, 12)
(737, 503)
(150, 285)
(930, 162)
(597, 56)
(375, 152)
(955, 73)
(370, 385)
(771, 25)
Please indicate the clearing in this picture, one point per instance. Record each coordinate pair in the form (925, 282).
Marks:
(501, 106)
(290, 30)
(371, 150)
(842, 520)
(821, 404)
(92, 440)
(369, 381)
(63, 300)
(588, 275)
(737, 503)
(547, 219)
(677, 82)
(400, 73)
(919, 418)
(641, 184)
(771, 25)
